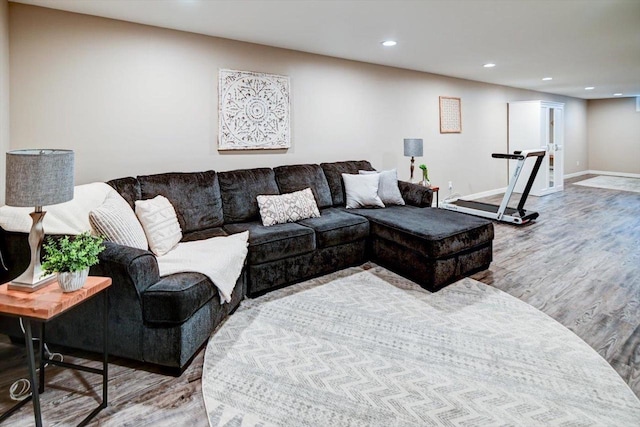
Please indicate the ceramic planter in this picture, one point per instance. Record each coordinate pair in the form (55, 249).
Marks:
(71, 281)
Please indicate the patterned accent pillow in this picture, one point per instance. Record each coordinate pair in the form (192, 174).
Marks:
(290, 207)
(160, 224)
(115, 220)
(362, 191)
(388, 189)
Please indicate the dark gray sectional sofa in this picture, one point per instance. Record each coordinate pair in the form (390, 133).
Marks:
(165, 320)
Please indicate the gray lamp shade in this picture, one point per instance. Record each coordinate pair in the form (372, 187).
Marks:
(413, 147)
(39, 177)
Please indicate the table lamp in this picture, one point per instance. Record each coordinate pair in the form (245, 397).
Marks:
(412, 148)
(37, 178)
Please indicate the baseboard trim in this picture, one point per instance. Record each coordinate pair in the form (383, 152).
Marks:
(575, 174)
(624, 174)
(571, 175)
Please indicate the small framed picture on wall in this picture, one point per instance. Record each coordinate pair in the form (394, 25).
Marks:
(450, 115)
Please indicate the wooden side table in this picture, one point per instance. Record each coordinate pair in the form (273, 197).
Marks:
(42, 306)
(436, 190)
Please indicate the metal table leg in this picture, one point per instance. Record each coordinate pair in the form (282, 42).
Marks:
(32, 372)
(43, 359)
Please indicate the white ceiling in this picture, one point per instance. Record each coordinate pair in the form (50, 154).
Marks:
(579, 43)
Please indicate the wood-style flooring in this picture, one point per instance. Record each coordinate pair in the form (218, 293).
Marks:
(579, 263)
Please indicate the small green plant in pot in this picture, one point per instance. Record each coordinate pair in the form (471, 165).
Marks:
(71, 258)
(425, 175)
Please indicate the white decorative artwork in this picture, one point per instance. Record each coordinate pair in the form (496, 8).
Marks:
(254, 111)
(450, 116)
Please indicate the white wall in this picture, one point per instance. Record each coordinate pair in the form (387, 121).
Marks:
(614, 135)
(133, 99)
(4, 92)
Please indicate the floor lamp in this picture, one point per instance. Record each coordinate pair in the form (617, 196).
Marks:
(412, 148)
(37, 178)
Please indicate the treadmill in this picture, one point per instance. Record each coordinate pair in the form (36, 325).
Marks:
(517, 216)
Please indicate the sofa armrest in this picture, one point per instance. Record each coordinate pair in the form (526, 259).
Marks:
(132, 271)
(415, 194)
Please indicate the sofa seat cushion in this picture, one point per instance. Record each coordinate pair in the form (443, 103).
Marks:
(335, 227)
(173, 299)
(434, 233)
(204, 234)
(276, 241)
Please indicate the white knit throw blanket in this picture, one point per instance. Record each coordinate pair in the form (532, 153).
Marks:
(71, 217)
(219, 258)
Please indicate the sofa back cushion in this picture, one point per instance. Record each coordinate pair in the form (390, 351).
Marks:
(298, 177)
(333, 172)
(129, 189)
(240, 189)
(194, 195)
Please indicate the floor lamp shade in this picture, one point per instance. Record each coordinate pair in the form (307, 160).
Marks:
(37, 178)
(412, 148)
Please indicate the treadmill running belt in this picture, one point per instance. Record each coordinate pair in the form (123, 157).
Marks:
(487, 207)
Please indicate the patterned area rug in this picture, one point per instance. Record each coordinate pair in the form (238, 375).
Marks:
(612, 183)
(363, 351)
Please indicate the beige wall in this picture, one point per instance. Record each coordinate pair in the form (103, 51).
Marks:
(614, 135)
(576, 154)
(4, 92)
(133, 99)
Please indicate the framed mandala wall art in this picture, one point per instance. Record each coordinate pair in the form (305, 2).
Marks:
(254, 111)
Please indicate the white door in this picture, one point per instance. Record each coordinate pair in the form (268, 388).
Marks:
(551, 174)
(534, 125)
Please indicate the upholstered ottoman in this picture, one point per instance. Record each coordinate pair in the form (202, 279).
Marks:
(433, 247)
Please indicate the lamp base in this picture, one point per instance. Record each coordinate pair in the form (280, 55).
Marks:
(15, 285)
(412, 162)
(33, 279)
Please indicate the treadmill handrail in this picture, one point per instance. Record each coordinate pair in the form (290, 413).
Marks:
(519, 155)
(534, 153)
(507, 156)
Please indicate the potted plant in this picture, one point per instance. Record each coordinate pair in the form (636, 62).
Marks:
(425, 175)
(71, 258)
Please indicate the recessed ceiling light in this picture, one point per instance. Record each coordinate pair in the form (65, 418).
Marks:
(546, 79)
(617, 94)
(589, 88)
(389, 43)
(489, 65)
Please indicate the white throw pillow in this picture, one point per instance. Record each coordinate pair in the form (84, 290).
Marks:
(388, 187)
(160, 224)
(290, 207)
(362, 191)
(116, 221)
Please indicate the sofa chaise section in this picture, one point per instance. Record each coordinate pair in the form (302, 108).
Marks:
(430, 246)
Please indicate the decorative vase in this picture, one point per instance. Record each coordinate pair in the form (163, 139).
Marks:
(426, 182)
(71, 281)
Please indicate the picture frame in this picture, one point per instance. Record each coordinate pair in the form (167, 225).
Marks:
(450, 115)
(253, 111)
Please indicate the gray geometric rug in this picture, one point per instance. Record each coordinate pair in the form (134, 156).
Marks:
(612, 183)
(359, 351)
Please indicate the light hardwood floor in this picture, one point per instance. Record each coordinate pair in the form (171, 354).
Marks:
(579, 263)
